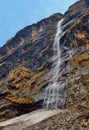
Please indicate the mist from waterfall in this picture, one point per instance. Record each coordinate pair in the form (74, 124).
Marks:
(54, 93)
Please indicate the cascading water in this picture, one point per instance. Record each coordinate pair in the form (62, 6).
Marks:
(57, 53)
(55, 92)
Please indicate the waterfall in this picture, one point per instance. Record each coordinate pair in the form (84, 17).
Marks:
(57, 53)
(54, 96)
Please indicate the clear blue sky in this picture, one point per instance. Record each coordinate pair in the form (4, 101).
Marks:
(16, 14)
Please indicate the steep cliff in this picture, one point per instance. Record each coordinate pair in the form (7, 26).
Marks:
(76, 40)
(25, 61)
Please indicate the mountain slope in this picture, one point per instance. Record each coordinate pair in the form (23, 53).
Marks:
(77, 40)
(25, 61)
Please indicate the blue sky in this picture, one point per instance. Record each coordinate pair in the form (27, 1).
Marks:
(16, 14)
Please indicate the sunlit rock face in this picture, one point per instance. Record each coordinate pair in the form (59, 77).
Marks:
(26, 59)
(76, 43)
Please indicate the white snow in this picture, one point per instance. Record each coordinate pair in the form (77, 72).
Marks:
(31, 118)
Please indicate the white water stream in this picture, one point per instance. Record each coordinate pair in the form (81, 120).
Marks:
(54, 94)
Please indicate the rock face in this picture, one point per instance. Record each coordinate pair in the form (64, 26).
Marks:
(25, 61)
(76, 40)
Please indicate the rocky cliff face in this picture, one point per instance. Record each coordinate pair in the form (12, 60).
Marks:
(26, 58)
(76, 40)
